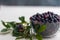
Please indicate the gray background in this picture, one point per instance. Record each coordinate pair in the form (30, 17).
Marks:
(31, 2)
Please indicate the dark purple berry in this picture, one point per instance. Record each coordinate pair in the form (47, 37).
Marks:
(37, 15)
(32, 18)
(20, 27)
(46, 17)
(49, 21)
(55, 20)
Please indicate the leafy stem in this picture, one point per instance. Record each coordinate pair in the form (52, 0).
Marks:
(26, 26)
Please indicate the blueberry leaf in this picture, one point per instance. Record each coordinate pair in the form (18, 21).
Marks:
(22, 19)
(12, 24)
(39, 37)
(4, 24)
(4, 30)
(37, 26)
(42, 28)
(7, 25)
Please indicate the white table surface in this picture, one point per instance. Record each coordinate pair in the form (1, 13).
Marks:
(11, 13)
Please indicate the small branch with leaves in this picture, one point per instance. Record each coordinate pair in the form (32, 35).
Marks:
(22, 29)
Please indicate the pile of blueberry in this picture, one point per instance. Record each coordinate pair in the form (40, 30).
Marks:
(45, 17)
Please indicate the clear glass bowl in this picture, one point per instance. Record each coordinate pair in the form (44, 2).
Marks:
(51, 29)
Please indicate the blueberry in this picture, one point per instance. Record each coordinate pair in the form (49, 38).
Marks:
(49, 21)
(58, 20)
(51, 13)
(38, 19)
(37, 15)
(55, 20)
(32, 18)
(19, 27)
(46, 20)
(40, 15)
(46, 17)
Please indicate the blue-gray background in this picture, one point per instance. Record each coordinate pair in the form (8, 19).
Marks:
(31, 2)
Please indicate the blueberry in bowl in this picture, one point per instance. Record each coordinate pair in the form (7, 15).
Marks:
(51, 21)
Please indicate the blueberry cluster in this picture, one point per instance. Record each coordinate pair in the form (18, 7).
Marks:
(45, 17)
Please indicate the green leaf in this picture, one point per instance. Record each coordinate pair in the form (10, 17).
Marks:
(16, 33)
(7, 25)
(37, 26)
(4, 24)
(39, 37)
(18, 38)
(22, 19)
(12, 24)
(42, 28)
(30, 38)
(28, 27)
(4, 30)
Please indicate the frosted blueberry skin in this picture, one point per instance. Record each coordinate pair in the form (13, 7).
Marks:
(51, 20)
